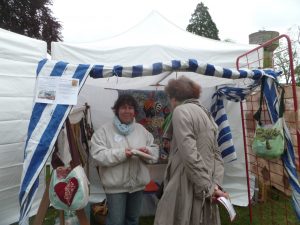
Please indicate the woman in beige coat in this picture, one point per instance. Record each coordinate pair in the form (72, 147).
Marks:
(195, 167)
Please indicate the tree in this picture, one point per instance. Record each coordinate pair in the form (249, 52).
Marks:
(281, 56)
(297, 74)
(202, 24)
(31, 18)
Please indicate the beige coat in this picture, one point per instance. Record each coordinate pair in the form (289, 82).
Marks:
(195, 166)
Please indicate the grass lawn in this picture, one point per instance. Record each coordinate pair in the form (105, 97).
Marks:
(274, 212)
(242, 218)
(242, 215)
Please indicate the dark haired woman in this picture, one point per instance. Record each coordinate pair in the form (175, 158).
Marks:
(195, 167)
(123, 175)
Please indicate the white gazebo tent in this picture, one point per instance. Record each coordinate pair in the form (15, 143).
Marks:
(153, 40)
(156, 39)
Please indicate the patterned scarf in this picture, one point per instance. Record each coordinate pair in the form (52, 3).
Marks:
(124, 129)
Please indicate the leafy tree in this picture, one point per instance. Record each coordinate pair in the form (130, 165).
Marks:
(202, 24)
(31, 18)
(297, 74)
(281, 56)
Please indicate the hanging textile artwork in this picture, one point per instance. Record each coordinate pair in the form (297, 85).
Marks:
(154, 108)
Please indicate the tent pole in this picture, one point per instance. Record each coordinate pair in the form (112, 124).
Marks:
(158, 82)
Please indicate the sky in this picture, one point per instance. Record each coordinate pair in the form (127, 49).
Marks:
(91, 20)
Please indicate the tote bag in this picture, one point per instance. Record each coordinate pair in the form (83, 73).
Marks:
(69, 186)
(268, 141)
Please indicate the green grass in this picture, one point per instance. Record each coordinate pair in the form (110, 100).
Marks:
(242, 217)
(276, 211)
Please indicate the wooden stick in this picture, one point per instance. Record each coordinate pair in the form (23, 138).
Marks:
(42, 211)
(83, 220)
(62, 217)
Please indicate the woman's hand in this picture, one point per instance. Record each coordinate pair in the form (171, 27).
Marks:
(219, 193)
(144, 149)
(128, 153)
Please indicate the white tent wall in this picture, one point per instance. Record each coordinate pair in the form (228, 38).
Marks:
(19, 56)
(100, 95)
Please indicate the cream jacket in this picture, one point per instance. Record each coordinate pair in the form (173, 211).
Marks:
(117, 172)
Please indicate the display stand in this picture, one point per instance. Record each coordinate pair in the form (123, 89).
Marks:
(272, 177)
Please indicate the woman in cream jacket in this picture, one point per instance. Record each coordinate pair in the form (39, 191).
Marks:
(123, 175)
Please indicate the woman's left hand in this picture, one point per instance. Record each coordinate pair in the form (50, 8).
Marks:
(144, 149)
(128, 152)
(219, 193)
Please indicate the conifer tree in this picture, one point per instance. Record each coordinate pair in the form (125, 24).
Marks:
(202, 24)
(32, 18)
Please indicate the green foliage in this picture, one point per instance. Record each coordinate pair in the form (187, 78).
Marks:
(31, 18)
(282, 58)
(202, 24)
(282, 61)
(297, 74)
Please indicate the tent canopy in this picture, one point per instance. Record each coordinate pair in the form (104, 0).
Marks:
(154, 39)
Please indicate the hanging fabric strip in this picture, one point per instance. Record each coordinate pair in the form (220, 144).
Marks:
(218, 111)
(45, 123)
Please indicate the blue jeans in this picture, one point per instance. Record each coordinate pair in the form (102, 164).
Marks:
(124, 208)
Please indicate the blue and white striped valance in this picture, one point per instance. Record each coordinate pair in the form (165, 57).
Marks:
(192, 65)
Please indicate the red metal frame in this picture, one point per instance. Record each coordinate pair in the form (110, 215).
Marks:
(246, 161)
(259, 61)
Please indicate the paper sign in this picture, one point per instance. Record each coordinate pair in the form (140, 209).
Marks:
(57, 90)
(229, 207)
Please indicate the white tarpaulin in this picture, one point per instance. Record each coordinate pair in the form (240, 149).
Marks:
(18, 59)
